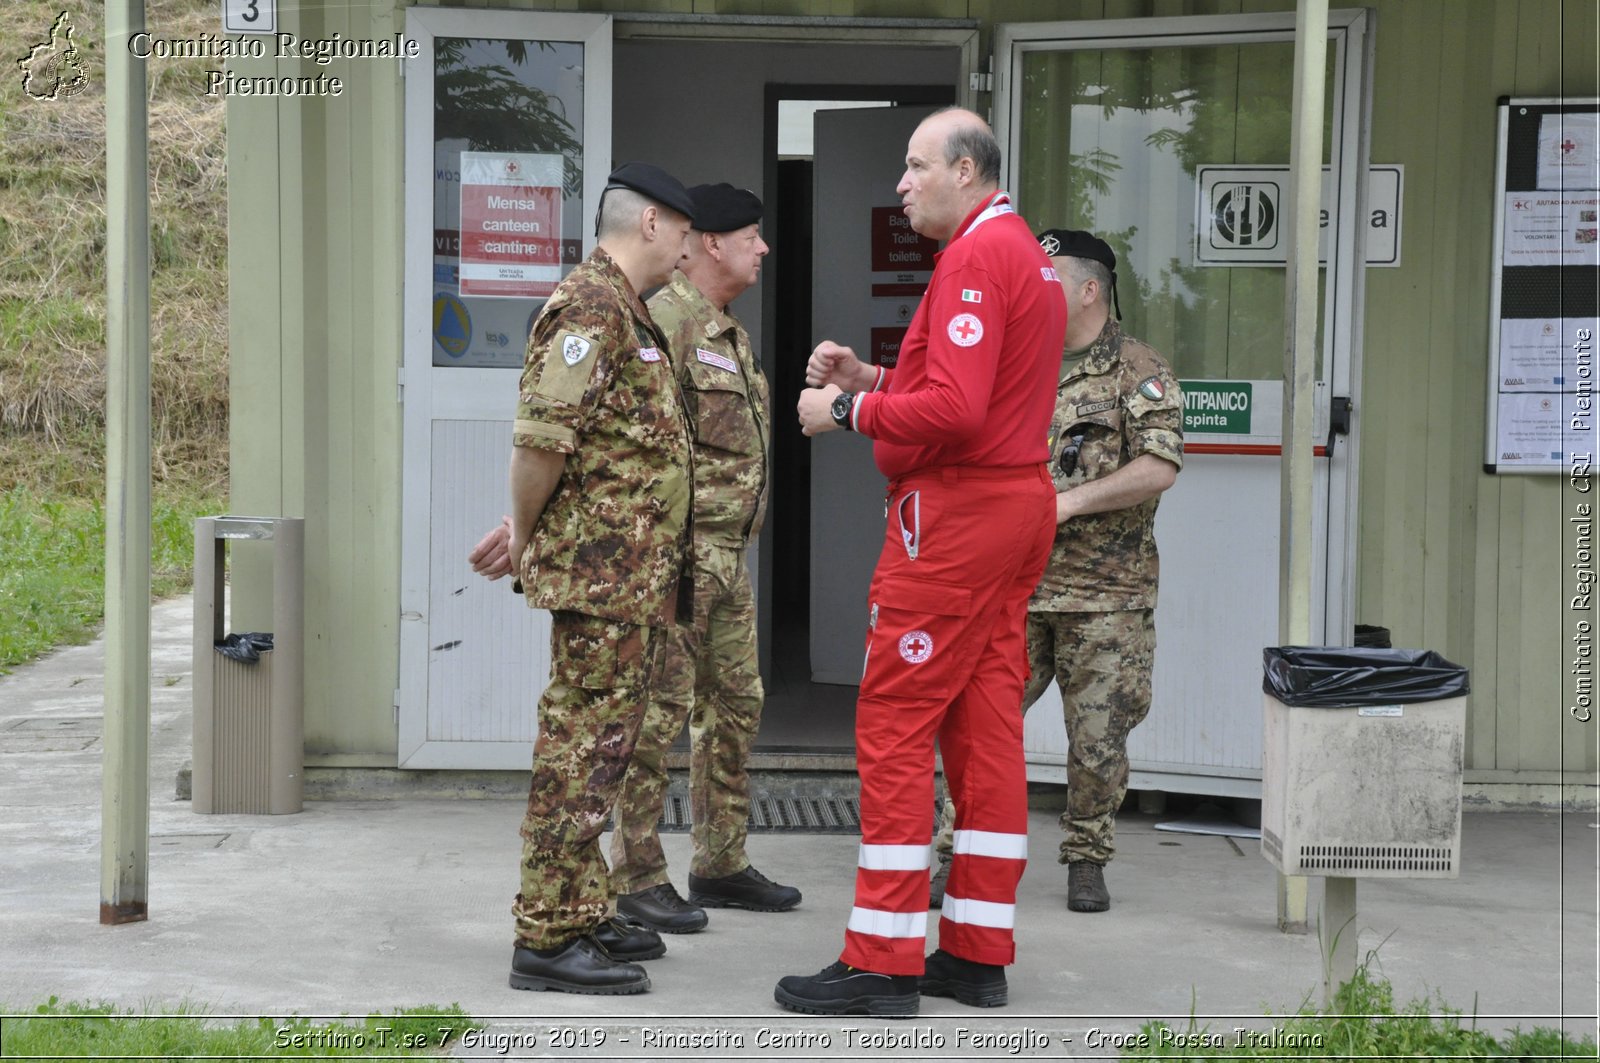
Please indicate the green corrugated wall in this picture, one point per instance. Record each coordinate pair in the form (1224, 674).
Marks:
(1449, 558)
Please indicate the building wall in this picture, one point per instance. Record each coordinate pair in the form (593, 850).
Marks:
(1449, 558)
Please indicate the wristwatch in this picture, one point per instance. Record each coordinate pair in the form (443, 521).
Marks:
(841, 409)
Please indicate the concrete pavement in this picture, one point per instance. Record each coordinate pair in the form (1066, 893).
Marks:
(358, 906)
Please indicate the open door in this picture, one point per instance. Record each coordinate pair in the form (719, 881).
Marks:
(508, 144)
(1170, 139)
(869, 271)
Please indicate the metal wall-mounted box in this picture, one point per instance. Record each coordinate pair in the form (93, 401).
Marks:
(1363, 792)
(249, 725)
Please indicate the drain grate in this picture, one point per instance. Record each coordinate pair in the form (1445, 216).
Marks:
(769, 814)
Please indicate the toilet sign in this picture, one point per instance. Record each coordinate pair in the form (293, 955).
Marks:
(1241, 214)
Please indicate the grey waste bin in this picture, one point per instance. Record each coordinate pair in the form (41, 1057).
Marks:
(249, 730)
(1361, 773)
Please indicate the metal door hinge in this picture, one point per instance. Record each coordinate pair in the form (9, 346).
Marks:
(980, 82)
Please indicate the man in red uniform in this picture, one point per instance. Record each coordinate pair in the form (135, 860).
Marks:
(960, 429)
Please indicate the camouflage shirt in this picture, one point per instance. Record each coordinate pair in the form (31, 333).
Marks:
(1119, 402)
(730, 412)
(597, 386)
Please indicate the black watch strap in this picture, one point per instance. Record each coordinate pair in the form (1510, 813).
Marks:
(843, 403)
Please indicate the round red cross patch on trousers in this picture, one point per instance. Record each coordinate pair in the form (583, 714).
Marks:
(916, 646)
(965, 330)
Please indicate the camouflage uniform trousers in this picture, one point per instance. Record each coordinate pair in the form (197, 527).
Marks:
(1102, 662)
(710, 677)
(589, 721)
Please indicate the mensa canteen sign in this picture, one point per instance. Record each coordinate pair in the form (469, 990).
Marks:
(1241, 213)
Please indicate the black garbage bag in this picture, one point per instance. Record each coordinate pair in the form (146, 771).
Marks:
(246, 648)
(1337, 676)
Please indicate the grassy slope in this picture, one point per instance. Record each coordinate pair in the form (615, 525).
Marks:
(53, 317)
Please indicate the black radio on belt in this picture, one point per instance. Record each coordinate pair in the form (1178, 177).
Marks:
(1068, 461)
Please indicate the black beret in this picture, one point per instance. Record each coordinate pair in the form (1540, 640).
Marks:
(1075, 243)
(654, 183)
(723, 208)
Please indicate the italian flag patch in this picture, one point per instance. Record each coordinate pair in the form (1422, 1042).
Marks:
(1152, 389)
(970, 295)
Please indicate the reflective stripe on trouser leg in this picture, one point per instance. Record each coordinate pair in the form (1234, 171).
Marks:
(588, 724)
(987, 775)
(932, 643)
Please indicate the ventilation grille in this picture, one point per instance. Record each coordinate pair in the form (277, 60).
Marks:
(768, 814)
(1376, 858)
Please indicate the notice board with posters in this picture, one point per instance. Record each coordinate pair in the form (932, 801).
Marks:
(1544, 301)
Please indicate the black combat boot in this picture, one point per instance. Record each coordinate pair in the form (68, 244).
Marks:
(662, 910)
(980, 985)
(1086, 887)
(581, 966)
(745, 889)
(840, 989)
(626, 940)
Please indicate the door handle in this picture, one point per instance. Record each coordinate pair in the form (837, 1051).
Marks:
(1339, 414)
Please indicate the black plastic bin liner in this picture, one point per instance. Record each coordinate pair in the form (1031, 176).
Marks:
(246, 648)
(1373, 636)
(1325, 677)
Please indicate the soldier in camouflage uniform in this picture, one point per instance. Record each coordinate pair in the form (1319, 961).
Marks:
(601, 481)
(1116, 443)
(709, 675)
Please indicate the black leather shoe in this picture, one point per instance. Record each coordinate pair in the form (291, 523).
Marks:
(581, 967)
(662, 910)
(981, 985)
(1086, 887)
(626, 940)
(747, 889)
(840, 989)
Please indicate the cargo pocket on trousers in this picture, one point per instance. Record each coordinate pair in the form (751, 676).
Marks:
(587, 652)
(915, 636)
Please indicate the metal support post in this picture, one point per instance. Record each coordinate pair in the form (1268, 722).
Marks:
(1296, 541)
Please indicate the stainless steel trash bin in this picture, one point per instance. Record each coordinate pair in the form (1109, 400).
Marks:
(249, 729)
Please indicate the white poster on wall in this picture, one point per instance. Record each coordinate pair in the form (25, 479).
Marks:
(1552, 229)
(1569, 151)
(1542, 430)
(1539, 354)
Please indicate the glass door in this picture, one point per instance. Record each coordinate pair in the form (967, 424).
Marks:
(507, 149)
(1170, 138)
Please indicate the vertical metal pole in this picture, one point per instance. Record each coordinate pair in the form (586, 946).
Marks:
(1338, 934)
(1295, 539)
(125, 784)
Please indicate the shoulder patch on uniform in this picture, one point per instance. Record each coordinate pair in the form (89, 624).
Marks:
(1049, 273)
(574, 348)
(721, 361)
(964, 330)
(971, 295)
(568, 363)
(1152, 389)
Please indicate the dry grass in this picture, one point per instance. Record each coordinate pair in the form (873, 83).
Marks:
(52, 262)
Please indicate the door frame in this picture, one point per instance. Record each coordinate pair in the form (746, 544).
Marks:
(431, 393)
(1351, 33)
(426, 398)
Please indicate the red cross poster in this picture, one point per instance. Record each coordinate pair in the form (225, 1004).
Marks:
(510, 224)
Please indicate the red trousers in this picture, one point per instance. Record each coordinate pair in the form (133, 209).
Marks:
(946, 658)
